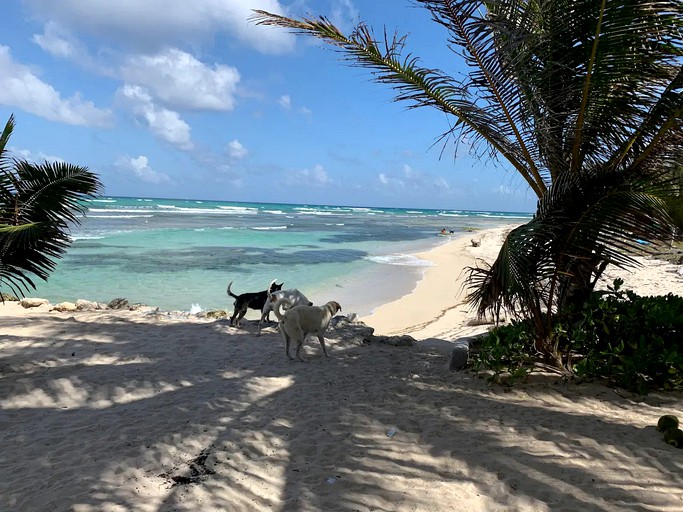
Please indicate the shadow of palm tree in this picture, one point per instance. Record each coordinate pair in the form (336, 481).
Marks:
(178, 415)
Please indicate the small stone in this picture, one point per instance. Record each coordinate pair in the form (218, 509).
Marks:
(29, 302)
(64, 306)
(86, 305)
(118, 303)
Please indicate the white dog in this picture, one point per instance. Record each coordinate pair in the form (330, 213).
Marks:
(294, 298)
(298, 321)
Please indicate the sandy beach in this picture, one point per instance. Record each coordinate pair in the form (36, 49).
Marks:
(145, 411)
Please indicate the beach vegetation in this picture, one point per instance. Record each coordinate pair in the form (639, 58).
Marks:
(38, 204)
(584, 100)
(621, 338)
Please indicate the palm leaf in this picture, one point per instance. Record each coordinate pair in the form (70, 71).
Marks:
(422, 87)
(38, 205)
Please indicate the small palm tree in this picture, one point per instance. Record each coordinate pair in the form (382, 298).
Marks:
(38, 203)
(584, 99)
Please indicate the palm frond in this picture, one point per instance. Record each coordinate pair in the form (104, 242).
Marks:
(420, 86)
(4, 138)
(585, 222)
(54, 192)
(38, 205)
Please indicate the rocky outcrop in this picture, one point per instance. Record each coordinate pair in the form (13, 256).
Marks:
(396, 341)
(29, 302)
(118, 303)
(214, 313)
(64, 306)
(86, 305)
(350, 329)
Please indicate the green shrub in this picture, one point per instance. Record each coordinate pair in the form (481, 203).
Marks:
(631, 341)
(506, 350)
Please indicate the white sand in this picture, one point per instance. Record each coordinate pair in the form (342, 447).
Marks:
(100, 410)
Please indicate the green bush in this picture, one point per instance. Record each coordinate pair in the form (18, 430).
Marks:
(631, 341)
(506, 350)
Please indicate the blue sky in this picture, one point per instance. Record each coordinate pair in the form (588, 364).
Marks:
(169, 98)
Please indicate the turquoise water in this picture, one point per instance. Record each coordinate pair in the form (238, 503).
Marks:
(178, 253)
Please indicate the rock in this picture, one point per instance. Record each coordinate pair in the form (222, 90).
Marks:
(118, 303)
(86, 305)
(475, 243)
(8, 297)
(33, 303)
(64, 306)
(216, 313)
(396, 341)
(349, 329)
(460, 354)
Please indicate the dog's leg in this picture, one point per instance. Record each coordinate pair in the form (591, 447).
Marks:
(234, 315)
(286, 337)
(301, 336)
(321, 338)
(258, 330)
(297, 335)
(264, 313)
(240, 316)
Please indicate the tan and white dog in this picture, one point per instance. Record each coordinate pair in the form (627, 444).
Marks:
(298, 321)
(294, 298)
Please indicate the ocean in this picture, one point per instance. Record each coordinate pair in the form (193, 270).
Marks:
(180, 254)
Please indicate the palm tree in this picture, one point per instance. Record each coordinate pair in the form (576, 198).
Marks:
(583, 98)
(38, 203)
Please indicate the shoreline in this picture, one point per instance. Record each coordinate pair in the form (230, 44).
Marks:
(435, 308)
(112, 410)
(430, 302)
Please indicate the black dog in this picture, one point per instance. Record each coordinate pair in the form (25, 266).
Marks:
(254, 300)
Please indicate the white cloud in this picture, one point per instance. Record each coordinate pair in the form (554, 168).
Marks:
(316, 177)
(410, 179)
(285, 101)
(26, 154)
(150, 25)
(58, 42)
(164, 123)
(319, 175)
(441, 183)
(180, 80)
(344, 14)
(22, 88)
(236, 150)
(140, 168)
(305, 111)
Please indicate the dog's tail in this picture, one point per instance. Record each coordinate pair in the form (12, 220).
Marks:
(278, 302)
(229, 292)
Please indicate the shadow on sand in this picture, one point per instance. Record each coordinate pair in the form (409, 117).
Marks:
(117, 414)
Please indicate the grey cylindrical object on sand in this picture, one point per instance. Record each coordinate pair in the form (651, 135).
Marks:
(459, 355)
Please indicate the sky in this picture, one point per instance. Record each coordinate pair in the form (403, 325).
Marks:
(193, 100)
